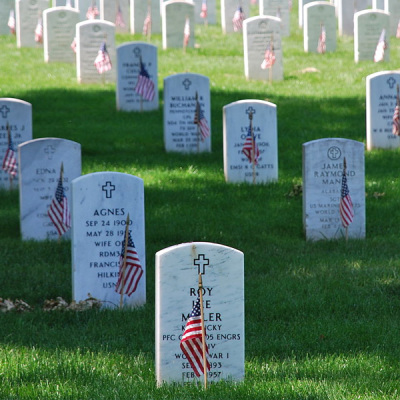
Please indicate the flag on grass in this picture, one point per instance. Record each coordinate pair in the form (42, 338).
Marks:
(39, 31)
(321, 47)
(144, 85)
(238, 19)
(103, 61)
(269, 57)
(147, 23)
(11, 22)
(203, 12)
(119, 19)
(59, 210)
(380, 47)
(398, 30)
(192, 342)
(92, 11)
(346, 205)
(186, 33)
(129, 278)
(10, 160)
(201, 121)
(250, 147)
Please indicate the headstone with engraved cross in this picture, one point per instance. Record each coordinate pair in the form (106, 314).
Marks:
(40, 163)
(177, 271)
(137, 88)
(181, 133)
(250, 141)
(101, 202)
(17, 114)
(323, 167)
(381, 99)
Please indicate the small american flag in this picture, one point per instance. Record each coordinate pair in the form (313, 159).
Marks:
(92, 12)
(396, 121)
(201, 121)
(147, 23)
(346, 205)
(39, 31)
(321, 47)
(73, 45)
(186, 33)
(10, 160)
(119, 19)
(396, 115)
(128, 280)
(11, 22)
(103, 61)
(203, 12)
(380, 47)
(192, 342)
(250, 148)
(269, 57)
(238, 19)
(398, 30)
(144, 85)
(59, 210)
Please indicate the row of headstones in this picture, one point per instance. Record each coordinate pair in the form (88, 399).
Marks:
(320, 19)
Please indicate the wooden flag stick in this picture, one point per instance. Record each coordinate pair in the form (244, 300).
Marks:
(344, 169)
(121, 299)
(61, 180)
(253, 148)
(10, 177)
(203, 332)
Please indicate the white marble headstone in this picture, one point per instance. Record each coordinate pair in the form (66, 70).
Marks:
(180, 132)
(174, 14)
(228, 9)
(59, 29)
(259, 34)
(117, 12)
(302, 3)
(277, 8)
(236, 125)
(319, 15)
(28, 13)
(128, 61)
(393, 8)
(345, 12)
(211, 17)
(101, 202)
(139, 12)
(368, 26)
(379, 4)
(64, 3)
(18, 114)
(89, 37)
(6, 7)
(322, 182)
(40, 163)
(380, 103)
(177, 271)
(83, 7)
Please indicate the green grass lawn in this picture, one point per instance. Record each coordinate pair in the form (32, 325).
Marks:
(322, 318)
